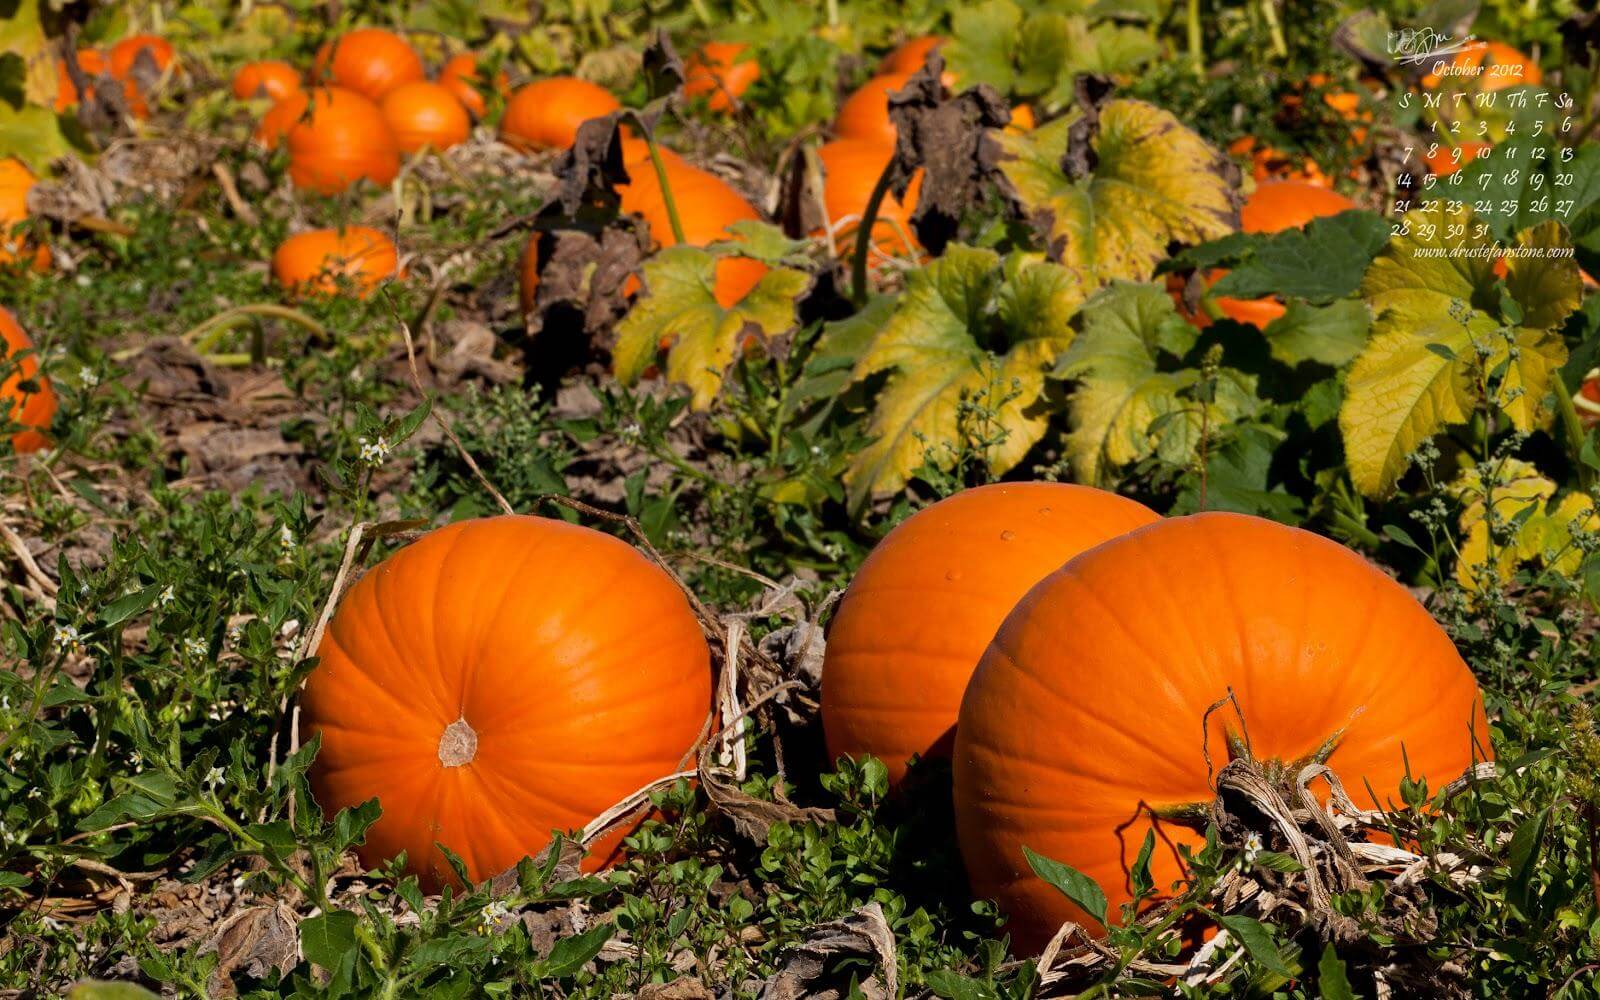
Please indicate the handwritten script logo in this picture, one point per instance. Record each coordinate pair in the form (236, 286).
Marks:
(1415, 46)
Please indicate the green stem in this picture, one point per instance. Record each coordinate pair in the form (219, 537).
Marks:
(1269, 10)
(1574, 433)
(1197, 52)
(661, 177)
(864, 228)
(205, 335)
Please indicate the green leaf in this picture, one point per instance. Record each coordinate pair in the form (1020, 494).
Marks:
(1127, 406)
(351, 824)
(1257, 940)
(1154, 183)
(679, 308)
(954, 986)
(573, 953)
(128, 605)
(966, 347)
(33, 135)
(1237, 479)
(99, 989)
(327, 937)
(1084, 892)
(1331, 335)
(1332, 982)
(1523, 858)
(761, 241)
(1521, 174)
(1323, 262)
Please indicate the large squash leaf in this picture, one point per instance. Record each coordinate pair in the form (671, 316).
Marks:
(679, 309)
(1127, 406)
(1444, 330)
(1535, 527)
(966, 349)
(1154, 182)
(1038, 56)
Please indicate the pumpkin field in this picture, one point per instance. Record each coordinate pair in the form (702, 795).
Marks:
(859, 499)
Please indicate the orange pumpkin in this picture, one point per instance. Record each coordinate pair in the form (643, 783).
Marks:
(460, 75)
(895, 669)
(315, 260)
(425, 114)
(336, 137)
(1089, 708)
(911, 55)
(33, 409)
(851, 168)
(369, 61)
(92, 62)
(499, 679)
(125, 54)
(1486, 66)
(16, 180)
(865, 113)
(1273, 207)
(546, 114)
(717, 71)
(1269, 164)
(1022, 119)
(1445, 161)
(706, 207)
(270, 78)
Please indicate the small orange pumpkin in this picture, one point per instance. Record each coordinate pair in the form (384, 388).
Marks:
(271, 78)
(561, 672)
(32, 409)
(16, 180)
(125, 54)
(851, 168)
(716, 71)
(423, 114)
(865, 113)
(707, 206)
(336, 137)
(896, 665)
(546, 114)
(369, 61)
(315, 260)
(92, 62)
(910, 55)
(460, 75)
(1091, 708)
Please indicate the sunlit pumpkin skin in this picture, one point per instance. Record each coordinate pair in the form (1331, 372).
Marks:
(313, 261)
(1486, 66)
(911, 55)
(1022, 119)
(926, 602)
(1273, 207)
(1088, 708)
(460, 76)
(337, 139)
(369, 61)
(33, 409)
(850, 171)
(125, 54)
(1445, 161)
(575, 661)
(546, 114)
(269, 78)
(92, 62)
(865, 114)
(707, 206)
(1587, 399)
(717, 72)
(423, 114)
(16, 180)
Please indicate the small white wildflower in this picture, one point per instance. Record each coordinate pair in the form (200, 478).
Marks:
(632, 431)
(214, 777)
(87, 376)
(167, 596)
(286, 540)
(373, 453)
(1252, 848)
(494, 914)
(83, 281)
(235, 633)
(67, 639)
(195, 647)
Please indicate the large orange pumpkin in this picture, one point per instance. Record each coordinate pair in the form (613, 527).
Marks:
(92, 62)
(499, 679)
(920, 611)
(460, 75)
(16, 180)
(336, 137)
(32, 409)
(706, 205)
(865, 113)
(1273, 207)
(1088, 710)
(270, 78)
(369, 61)
(546, 114)
(716, 71)
(315, 260)
(851, 168)
(423, 114)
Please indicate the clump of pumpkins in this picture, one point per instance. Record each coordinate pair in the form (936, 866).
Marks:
(1063, 646)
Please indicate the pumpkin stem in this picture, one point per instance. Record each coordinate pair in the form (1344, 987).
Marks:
(458, 744)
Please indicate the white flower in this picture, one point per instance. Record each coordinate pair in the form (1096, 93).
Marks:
(167, 596)
(632, 431)
(83, 280)
(87, 376)
(373, 452)
(67, 639)
(286, 540)
(1252, 848)
(214, 777)
(195, 647)
(494, 913)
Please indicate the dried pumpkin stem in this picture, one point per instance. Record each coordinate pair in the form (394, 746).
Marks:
(458, 744)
